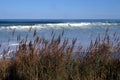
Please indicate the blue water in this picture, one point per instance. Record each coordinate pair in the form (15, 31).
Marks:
(82, 29)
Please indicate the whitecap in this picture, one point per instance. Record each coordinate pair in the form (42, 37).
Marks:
(59, 25)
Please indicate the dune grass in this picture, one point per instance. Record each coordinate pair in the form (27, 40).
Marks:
(55, 59)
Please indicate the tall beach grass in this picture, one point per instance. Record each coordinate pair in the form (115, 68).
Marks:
(54, 59)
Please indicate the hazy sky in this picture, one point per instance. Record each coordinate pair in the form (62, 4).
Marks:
(59, 9)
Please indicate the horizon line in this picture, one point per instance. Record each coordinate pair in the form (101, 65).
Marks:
(61, 19)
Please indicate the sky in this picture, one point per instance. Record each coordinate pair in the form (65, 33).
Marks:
(59, 9)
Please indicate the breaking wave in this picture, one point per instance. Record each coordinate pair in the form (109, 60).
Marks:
(60, 25)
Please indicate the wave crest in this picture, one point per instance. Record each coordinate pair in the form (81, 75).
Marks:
(59, 25)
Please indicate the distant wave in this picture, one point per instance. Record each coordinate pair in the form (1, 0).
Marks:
(59, 25)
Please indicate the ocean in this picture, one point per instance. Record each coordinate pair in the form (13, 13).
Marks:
(84, 30)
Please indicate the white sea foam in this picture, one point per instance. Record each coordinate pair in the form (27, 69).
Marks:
(59, 25)
(14, 44)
